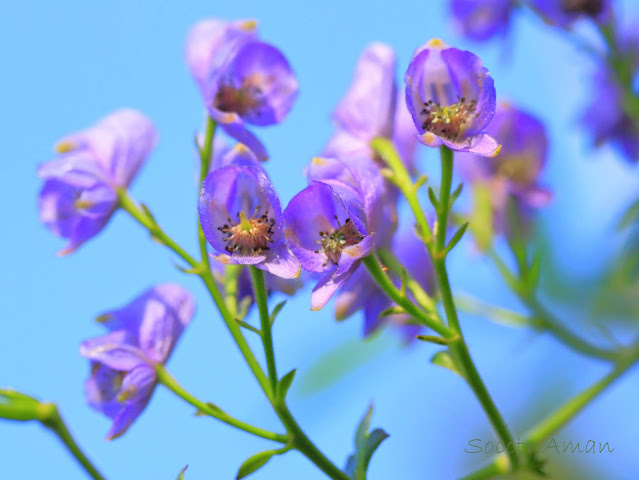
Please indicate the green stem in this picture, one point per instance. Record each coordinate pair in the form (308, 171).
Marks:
(302, 443)
(563, 415)
(259, 288)
(53, 420)
(394, 294)
(166, 379)
(446, 155)
(206, 152)
(145, 219)
(231, 275)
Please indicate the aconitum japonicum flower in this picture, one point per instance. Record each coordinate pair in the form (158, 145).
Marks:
(482, 19)
(241, 217)
(242, 80)
(607, 120)
(142, 334)
(79, 193)
(451, 98)
(514, 173)
(326, 227)
(564, 12)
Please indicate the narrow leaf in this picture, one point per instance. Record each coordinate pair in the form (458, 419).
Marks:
(248, 326)
(456, 237)
(420, 182)
(433, 198)
(373, 441)
(435, 339)
(392, 311)
(402, 288)
(284, 385)
(181, 474)
(278, 308)
(254, 463)
(212, 409)
(443, 359)
(532, 276)
(456, 193)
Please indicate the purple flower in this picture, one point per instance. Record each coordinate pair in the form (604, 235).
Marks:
(361, 293)
(326, 227)
(142, 334)
(451, 98)
(482, 19)
(241, 218)
(607, 120)
(564, 12)
(514, 173)
(79, 192)
(242, 80)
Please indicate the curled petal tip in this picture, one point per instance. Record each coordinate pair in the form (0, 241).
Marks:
(436, 43)
(65, 146)
(248, 25)
(315, 309)
(240, 148)
(65, 251)
(318, 161)
(429, 139)
(496, 152)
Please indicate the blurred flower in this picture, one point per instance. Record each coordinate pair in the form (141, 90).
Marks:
(142, 334)
(242, 80)
(241, 218)
(513, 175)
(327, 229)
(564, 12)
(79, 193)
(451, 98)
(607, 116)
(482, 19)
(361, 293)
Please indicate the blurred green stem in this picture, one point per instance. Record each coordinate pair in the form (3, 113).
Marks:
(52, 419)
(438, 252)
(206, 152)
(259, 289)
(166, 379)
(563, 415)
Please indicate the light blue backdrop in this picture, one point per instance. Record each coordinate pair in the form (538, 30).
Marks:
(66, 64)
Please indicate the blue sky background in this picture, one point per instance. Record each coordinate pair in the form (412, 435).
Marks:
(66, 64)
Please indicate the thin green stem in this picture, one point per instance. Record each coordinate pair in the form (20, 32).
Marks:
(259, 288)
(302, 443)
(147, 221)
(444, 208)
(563, 415)
(231, 275)
(166, 379)
(394, 294)
(206, 152)
(52, 419)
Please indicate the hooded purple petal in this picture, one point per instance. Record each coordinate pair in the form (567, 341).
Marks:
(234, 126)
(114, 350)
(482, 19)
(241, 218)
(368, 108)
(451, 98)
(211, 45)
(136, 391)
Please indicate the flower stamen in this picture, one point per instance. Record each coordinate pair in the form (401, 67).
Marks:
(332, 243)
(248, 236)
(447, 121)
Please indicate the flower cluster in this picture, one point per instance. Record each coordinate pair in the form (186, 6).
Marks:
(141, 335)
(79, 194)
(242, 79)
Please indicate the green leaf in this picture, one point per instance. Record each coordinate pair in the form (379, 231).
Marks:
(211, 407)
(443, 359)
(456, 237)
(181, 474)
(455, 194)
(254, 463)
(630, 216)
(248, 326)
(435, 339)
(392, 311)
(365, 445)
(420, 182)
(284, 385)
(278, 308)
(433, 198)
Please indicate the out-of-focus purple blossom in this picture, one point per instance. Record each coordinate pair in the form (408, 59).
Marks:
(242, 79)
(142, 334)
(361, 293)
(564, 12)
(514, 173)
(451, 98)
(606, 116)
(241, 217)
(482, 19)
(79, 193)
(327, 228)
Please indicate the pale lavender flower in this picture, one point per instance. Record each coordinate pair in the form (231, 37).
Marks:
(451, 98)
(142, 334)
(242, 79)
(241, 217)
(482, 19)
(79, 192)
